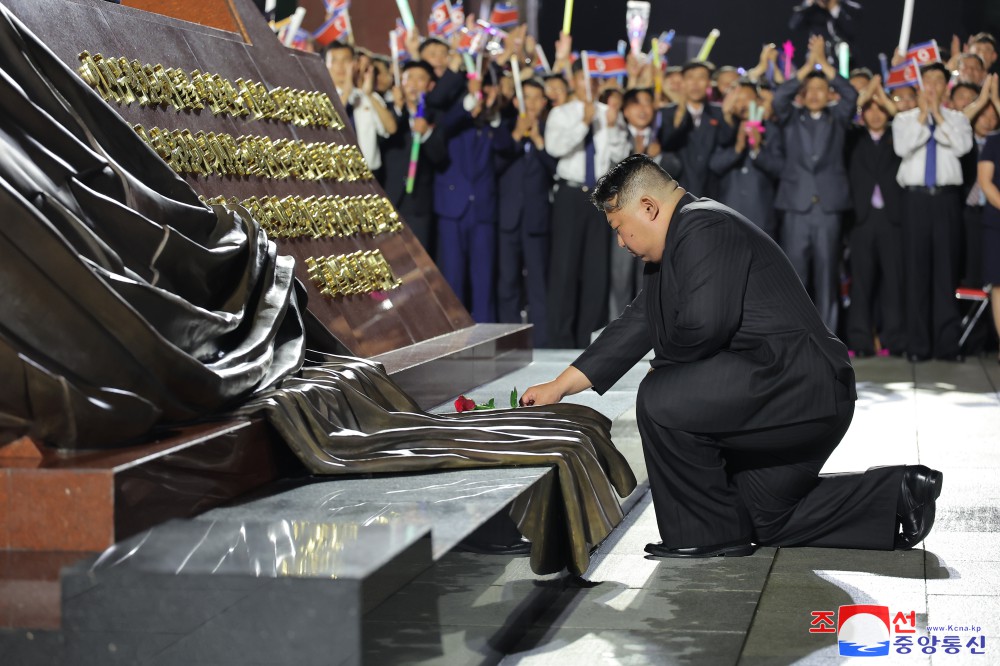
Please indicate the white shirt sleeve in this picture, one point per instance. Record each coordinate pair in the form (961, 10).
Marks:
(565, 131)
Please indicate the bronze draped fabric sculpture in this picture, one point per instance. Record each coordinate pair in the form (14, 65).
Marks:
(129, 304)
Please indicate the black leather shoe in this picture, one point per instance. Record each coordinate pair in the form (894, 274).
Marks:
(522, 547)
(915, 508)
(736, 549)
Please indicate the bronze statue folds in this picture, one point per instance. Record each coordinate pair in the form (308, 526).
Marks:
(129, 304)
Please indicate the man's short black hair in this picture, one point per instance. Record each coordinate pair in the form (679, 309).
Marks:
(577, 65)
(632, 96)
(747, 82)
(625, 180)
(965, 84)
(815, 74)
(533, 83)
(419, 64)
(725, 69)
(861, 71)
(936, 67)
(430, 41)
(695, 64)
(673, 69)
(556, 76)
(984, 38)
(339, 46)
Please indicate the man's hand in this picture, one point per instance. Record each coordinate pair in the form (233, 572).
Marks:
(741, 138)
(880, 98)
(570, 381)
(588, 112)
(548, 393)
(654, 149)
(420, 126)
(614, 107)
(412, 43)
(368, 81)
(522, 127)
(729, 105)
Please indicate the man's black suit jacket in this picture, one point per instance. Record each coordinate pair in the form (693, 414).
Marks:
(870, 164)
(396, 163)
(731, 326)
(694, 145)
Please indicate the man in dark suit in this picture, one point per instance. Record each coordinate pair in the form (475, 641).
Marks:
(417, 207)
(524, 185)
(874, 239)
(813, 190)
(748, 393)
(748, 169)
(693, 127)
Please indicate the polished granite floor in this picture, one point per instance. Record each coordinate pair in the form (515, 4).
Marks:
(627, 609)
(475, 609)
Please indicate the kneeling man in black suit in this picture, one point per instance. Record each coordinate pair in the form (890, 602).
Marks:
(748, 394)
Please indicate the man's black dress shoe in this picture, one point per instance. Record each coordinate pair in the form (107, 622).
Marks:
(736, 549)
(915, 508)
(521, 547)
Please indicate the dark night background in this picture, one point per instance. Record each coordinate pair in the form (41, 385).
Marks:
(746, 26)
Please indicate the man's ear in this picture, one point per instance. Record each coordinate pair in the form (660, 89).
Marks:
(649, 206)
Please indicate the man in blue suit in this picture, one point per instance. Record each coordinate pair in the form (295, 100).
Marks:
(525, 173)
(465, 198)
(813, 190)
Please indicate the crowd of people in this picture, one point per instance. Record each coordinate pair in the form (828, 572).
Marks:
(884, 201)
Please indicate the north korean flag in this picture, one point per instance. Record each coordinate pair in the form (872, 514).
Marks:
(504, 15)
(457, 17)
(606, 65)
(901, 76)
(399, 35)
(925, 53)
(337, 28)
(439, 24)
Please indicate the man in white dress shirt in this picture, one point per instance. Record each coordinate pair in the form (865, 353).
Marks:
(366, 109)
(588, 138)
(931, 139)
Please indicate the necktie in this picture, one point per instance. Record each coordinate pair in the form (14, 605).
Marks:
(930, 162)
(590, 179)
(878, 203)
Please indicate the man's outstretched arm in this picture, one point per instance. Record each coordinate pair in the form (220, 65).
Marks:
(568, 382)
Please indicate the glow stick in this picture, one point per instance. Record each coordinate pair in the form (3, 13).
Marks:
(293, 26)
(623, 51)
(406, 15)
(884, 62)
(567, 16)
(515, 70)
(411, 174)
(394, 49)
(706, 48)
(657, 72)
(904, 29)
(586, 76)
(540, 52)
(844, 56)
(789, 50)
(636, 23)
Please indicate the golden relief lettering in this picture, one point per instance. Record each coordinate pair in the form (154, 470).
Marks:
(121, 81)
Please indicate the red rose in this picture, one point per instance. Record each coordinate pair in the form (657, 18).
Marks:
(463, 404)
